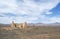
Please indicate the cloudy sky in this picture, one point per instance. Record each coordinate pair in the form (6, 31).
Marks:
(31, 11)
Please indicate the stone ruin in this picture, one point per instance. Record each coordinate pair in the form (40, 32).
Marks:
(20, 26)
(15, 26)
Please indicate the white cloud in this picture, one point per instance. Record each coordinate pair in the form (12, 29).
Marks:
(22, 19)
(6, 20)
(32, 9)
(53, 19)
(47, 12)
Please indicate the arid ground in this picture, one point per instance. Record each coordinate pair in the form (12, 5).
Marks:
(32, 32)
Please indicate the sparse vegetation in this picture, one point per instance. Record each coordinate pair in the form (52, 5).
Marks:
(32, 32)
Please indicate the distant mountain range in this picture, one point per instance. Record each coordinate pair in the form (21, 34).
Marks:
(4, 24)
(55, 24)
(42, 24)
(36, 24)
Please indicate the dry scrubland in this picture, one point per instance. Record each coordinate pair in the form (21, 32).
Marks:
(32, 32)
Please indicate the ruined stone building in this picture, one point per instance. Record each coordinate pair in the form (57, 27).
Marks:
(15, 26)
(20, 26)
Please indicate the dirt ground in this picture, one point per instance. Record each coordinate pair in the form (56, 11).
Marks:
(32, 32)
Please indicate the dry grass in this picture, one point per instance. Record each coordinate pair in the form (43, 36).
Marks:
(32, 32)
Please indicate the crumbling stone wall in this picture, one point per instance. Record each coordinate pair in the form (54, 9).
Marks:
(21, 26)
(24, 25)
(12, 24)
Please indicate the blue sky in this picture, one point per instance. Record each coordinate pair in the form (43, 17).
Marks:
(31, 11)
